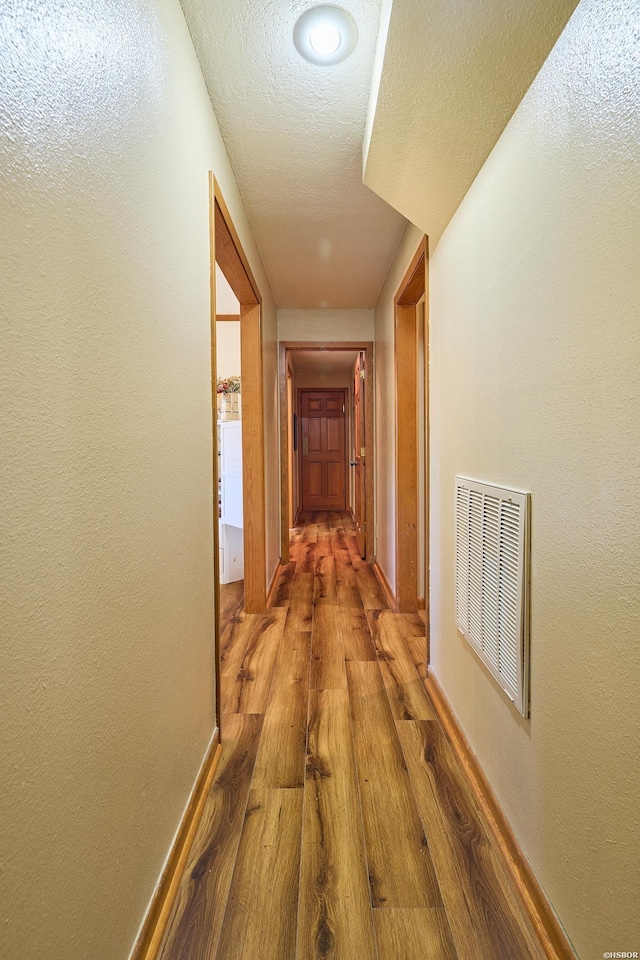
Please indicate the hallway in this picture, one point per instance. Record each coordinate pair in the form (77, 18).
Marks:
(373, 850)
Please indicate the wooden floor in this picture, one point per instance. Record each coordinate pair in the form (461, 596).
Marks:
(338, 826)
(231, 602)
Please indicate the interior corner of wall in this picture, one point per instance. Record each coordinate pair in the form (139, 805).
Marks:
(378, 66)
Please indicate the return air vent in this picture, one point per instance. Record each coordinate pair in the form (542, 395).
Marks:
(492, 577)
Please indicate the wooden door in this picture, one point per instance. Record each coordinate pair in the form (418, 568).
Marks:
(359, 433)
(323, 449)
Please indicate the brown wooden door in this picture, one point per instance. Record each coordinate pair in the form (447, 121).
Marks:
(360, 499)
(323, 450)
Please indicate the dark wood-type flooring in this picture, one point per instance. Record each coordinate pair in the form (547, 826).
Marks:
(338, 826)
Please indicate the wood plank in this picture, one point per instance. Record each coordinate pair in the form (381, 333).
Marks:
(231, 602)
(418, 649)
(325, 576)
(196, 920)
(484, 914)
(282, 592)
(261, 916)
(414, 934)
(389, 631)
(383, 797)
(250, 691)
(335, 912)
(327, 655)
(400, 870)
(233, 645)
(345, 573)
(408, 701)
(381, 576)
(300, 610)
(281, 757)
(407, 696)
(303, 553)
(531, 895)
(357, 643)
(371, 592)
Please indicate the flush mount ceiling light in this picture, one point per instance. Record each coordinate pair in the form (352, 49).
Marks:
(325, 35)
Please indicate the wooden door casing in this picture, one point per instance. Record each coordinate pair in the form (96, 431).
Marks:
(323, 453)
(360, 499)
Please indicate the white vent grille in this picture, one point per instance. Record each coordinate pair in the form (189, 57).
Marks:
(492, 577)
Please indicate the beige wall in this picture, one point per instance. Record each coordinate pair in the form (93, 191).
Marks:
(535, 383)
(228, 348)
(306, 379)
(107, 632)
(325, 325)
(226, 300)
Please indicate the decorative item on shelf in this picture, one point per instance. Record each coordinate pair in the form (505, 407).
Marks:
(228, 398)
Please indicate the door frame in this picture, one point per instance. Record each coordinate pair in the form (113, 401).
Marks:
(358, 421)
(226, 249)
(285, 347)
(345, 399)
(413, 287)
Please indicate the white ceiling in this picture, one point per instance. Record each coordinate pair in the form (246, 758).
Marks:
(294, 135)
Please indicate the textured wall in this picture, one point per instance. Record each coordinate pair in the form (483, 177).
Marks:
(306, 379)
(535, 383)
(473, 60)
(356, 325)
(106, 688)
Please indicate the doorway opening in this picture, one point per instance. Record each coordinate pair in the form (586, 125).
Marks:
(326, 460)
(229, 427)
(244, 448)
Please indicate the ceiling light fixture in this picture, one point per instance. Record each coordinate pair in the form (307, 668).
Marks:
(325, 35)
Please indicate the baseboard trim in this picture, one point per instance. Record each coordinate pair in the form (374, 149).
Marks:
(386, 586)
(274, 583)
(154, 924)
(544, 920)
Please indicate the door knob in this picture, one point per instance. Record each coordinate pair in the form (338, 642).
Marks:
(354, 463)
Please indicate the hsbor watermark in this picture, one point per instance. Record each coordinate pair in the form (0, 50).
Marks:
(621, 955)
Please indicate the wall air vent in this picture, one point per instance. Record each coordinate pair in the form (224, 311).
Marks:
(492, 581)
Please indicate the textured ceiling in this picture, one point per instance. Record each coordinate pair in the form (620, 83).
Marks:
(294, 135)
(452, 76)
